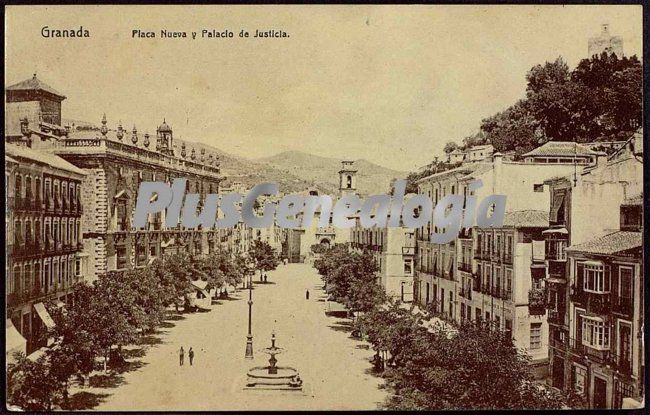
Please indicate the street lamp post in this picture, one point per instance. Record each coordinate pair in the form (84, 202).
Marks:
(249, 337)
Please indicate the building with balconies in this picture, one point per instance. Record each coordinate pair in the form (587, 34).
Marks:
(44, 258)
(594, 280)
(394, 252)
(509, 282)
(606, 317)
(439, 277)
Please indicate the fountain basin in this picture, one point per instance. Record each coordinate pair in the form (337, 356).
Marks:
(286, 378)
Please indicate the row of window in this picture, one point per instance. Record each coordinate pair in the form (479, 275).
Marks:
(67, 231)
(493, 276)
(31, 187)
(596, 277)
(50, 275)
(496, 243)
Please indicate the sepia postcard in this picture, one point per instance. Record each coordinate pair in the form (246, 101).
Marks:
(343, 207)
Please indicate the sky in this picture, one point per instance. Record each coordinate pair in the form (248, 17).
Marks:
(390, 84)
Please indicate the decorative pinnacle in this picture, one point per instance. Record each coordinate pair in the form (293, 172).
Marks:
(104, 129)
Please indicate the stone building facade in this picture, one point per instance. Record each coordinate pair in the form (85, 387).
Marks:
(116, 163)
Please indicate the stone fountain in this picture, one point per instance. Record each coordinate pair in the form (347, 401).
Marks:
(273, 377)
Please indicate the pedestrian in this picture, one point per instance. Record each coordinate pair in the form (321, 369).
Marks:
(181, 355)
(307, 295)
(190, 353)
(265, 278)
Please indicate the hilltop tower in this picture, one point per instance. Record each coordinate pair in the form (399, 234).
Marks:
(605, 42)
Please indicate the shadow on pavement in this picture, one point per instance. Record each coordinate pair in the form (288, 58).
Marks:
(342, 326)
(175, 316)
(106, 380)
(84, 400)
(151, 339)
(132, 353)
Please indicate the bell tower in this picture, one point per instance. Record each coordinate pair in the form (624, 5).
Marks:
(347, 178)
(164, 139)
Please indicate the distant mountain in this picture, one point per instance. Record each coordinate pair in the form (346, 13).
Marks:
(251, 172)
(371, 178)
(294, 171)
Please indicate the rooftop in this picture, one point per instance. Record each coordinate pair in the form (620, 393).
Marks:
(526, 219)
(610, 244)
(34, 84)
(561, 149)
(41, 157)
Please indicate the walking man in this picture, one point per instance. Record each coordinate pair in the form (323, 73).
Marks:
(190, 353)
(181, 356)
(264, 278)
(307, 295)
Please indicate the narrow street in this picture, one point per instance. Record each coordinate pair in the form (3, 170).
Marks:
(334, 367)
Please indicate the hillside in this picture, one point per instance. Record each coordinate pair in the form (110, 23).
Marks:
(371, 178)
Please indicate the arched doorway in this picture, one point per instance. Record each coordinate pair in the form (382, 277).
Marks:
(325, 242)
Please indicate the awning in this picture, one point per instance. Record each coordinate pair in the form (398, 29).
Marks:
(200, 285)
(44, 315)
(558, 201)
(164, 244)
(561, 231)
(631, 403)
(555, 280)
(15, 341)
(592, 264)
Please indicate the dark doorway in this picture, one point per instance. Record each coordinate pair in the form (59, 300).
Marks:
(600, 393)
(558, 372)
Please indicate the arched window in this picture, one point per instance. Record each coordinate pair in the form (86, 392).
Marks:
(349, 182)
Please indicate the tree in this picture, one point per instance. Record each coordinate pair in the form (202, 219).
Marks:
(33, 386)
(332, 259)
(450, 146)
(319, 248)
(176, 273)
(600, 100)
(263, 256)
(550, 74)
(75, 350)
(213, 268)
(244, 266)
(471, 367)
(149, 297)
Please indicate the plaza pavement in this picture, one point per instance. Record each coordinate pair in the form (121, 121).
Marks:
(334, 367)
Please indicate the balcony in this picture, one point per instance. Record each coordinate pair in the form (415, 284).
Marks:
(537, 301)
(557, 344)
(465, 233)
(465, 267)
(482, 255)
